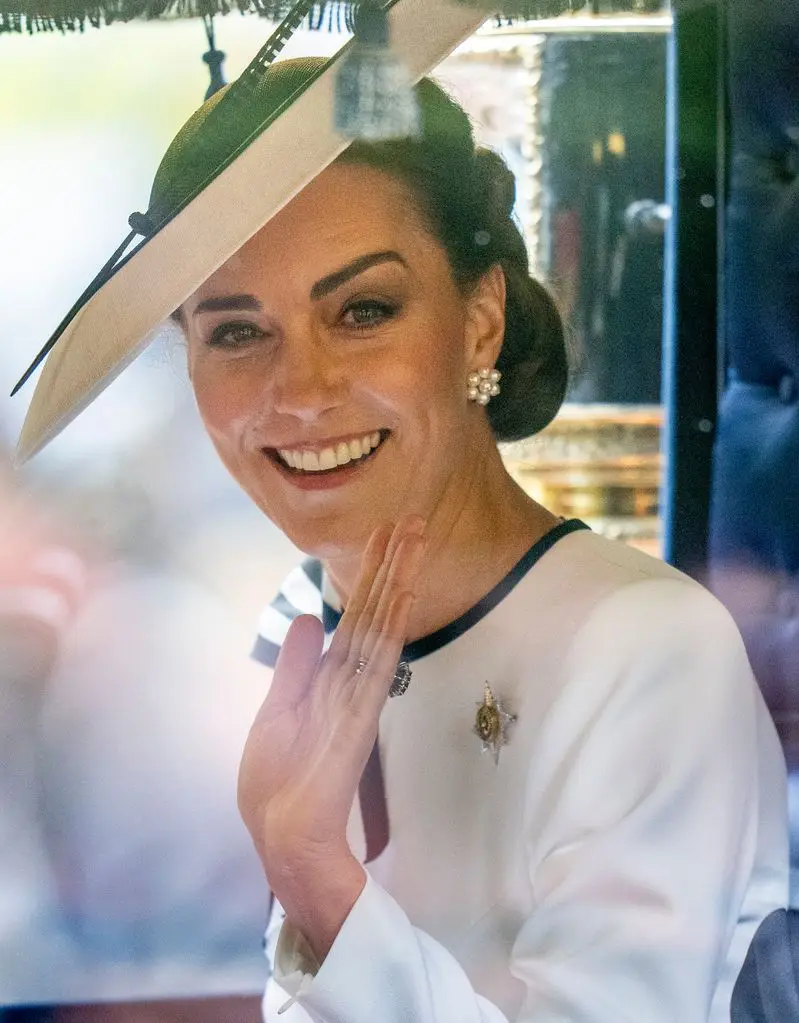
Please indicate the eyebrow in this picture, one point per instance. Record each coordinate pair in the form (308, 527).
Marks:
(229, 303)
(358, 266)
(323, 287)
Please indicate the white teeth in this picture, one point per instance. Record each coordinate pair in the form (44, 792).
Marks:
(329, 458)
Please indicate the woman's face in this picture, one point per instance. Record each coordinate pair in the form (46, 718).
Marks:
(329, 360)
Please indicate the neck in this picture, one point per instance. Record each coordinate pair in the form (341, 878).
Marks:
(476, 534)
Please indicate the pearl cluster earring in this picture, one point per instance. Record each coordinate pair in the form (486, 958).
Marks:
(483, 385)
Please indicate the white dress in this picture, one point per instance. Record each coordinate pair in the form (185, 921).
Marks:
(613, 865)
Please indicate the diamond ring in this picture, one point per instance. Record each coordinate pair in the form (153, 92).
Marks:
(402, 679)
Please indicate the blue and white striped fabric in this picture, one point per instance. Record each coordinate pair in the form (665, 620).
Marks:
(300, 594)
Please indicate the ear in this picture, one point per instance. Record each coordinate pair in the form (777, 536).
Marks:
(485, 322)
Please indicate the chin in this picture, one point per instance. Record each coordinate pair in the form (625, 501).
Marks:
(320, 524)
(336, 536)
(332, 538)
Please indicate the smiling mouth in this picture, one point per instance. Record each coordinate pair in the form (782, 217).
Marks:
(329, 460)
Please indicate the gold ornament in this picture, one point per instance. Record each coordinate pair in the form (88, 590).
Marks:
(492, 723)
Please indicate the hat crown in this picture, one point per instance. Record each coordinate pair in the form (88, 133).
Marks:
(218, 130)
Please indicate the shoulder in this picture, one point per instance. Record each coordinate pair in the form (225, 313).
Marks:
(627, 623)
(611, 585)
(607, 564)
(590, 589)
(653, 688)
(643, 603)
(657, 651)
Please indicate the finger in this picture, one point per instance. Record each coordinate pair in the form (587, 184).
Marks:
(374, 554)
(407, 527)
(402, 575)
(373, 684)
(297, 662)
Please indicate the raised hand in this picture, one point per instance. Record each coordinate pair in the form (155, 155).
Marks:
(311, 738)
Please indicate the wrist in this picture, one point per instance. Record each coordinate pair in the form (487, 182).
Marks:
(318, 898)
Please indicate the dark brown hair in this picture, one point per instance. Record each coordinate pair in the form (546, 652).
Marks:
(466, 195)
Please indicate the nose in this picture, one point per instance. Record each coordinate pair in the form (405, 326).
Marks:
(308, 380)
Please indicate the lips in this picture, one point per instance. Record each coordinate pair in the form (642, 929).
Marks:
(331, 458)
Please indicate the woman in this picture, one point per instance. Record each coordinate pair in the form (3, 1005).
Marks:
(611, 855)
(611, 863)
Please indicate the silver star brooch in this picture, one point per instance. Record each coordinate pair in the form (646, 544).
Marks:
(492, 723)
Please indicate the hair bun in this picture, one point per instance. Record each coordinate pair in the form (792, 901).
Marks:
(496, 183)
(466, 196)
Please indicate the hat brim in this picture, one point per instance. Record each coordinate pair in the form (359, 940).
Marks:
(121, 319)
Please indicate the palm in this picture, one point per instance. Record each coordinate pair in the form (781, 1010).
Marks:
(311, 738)
(280, 761)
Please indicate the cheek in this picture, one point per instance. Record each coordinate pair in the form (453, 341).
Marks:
(440, 365)
(226, 401)
(426, 386)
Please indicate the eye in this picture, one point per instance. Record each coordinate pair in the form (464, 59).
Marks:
(368, 312)
(234, 335)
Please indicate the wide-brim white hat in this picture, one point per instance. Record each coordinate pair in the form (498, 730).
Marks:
(199, 219)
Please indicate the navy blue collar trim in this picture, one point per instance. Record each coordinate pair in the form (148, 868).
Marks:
(428, 644)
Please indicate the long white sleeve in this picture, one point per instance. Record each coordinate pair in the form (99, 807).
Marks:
(380, 969)
(642, 823)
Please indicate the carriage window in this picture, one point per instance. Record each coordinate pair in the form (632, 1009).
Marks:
(577, 107)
